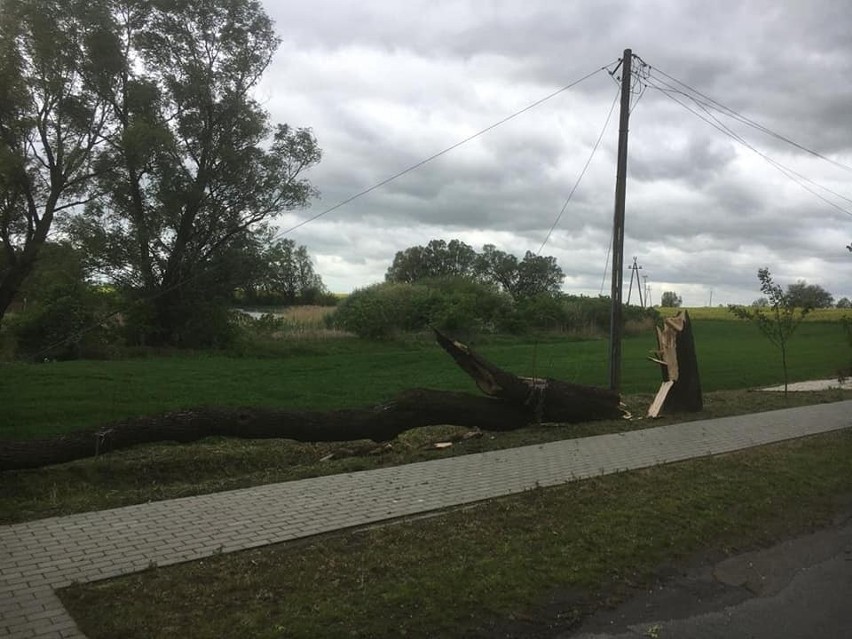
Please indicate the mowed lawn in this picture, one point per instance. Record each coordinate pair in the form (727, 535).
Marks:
(50, 398)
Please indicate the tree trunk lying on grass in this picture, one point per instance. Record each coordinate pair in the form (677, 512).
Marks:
(513, 402)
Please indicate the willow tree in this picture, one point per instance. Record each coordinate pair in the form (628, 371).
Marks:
(51, 126)
(193, 165)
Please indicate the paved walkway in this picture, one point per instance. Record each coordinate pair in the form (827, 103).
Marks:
(38, 557)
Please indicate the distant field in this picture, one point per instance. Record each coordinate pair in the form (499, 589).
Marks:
(43, 399)
(722, 313)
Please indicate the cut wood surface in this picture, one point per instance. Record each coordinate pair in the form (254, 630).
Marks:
(678, 360)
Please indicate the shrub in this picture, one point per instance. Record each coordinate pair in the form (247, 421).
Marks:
(542, 312)
(63, 326)
(380, 310)
(591, 316)
(465, 307)
(453, 304)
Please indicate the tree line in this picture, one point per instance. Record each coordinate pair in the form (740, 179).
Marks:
(530, 276)
(128, 129)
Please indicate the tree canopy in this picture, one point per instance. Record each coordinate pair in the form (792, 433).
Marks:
(282, 272)
(190, 167)
(52, 122)
(438, 259)
(806, 295)
(533, 275)
(670, 299)
(136, 120)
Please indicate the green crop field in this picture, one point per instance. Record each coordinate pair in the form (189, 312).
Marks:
(51, 398)
(722, 313)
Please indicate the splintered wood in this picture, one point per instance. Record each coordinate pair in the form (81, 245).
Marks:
(681, 387)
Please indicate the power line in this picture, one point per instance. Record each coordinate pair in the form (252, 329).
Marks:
(582, 173)
(606, 263)
(728, 131)
(435, 156)
(791, 174)
(749, 122)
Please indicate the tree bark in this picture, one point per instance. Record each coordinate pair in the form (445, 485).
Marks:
(547, 399)
(678, 360)
(512, 402)
(410, 409)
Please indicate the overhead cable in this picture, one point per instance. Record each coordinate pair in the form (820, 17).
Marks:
(756, 125)
(786, 171)
(582, 173)
(435, 156)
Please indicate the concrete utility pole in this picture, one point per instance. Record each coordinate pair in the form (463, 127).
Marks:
(618, 227)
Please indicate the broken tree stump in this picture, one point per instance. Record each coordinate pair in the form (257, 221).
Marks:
(678, 360)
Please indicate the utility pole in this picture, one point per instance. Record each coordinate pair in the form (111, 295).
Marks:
(634, 273)
(647, 290)
(618, 227)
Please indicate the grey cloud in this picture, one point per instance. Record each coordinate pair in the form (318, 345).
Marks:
(386, 84)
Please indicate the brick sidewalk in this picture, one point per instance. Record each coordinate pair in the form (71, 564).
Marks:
(38, 557)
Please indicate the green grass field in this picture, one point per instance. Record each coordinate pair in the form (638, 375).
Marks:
(587, 543)
(51, 398)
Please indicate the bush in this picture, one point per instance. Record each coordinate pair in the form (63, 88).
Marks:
(591, 316)
(541, 312)
(455, 305)
(187, 318)
(63, 326)
(461, 305)
(466, 307)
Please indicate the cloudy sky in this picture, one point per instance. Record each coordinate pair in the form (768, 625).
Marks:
(387, 83)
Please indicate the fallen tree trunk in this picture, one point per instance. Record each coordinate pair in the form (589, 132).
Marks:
(513, 402)
(410, 409)
(547, 399)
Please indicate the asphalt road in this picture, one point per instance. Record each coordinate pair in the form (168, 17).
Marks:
(798, 589)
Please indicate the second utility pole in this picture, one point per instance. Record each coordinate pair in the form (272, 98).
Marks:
(615, 322)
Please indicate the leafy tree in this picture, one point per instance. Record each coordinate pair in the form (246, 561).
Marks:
(192, 166)
(807, 295)
(760, 302)
(537, 275)
(284, 274)
(779, 321)
(533, 275)
(58, 313)
(671, 299)
(437, 259)
(844, 302)
(51, 125)
(499, 267)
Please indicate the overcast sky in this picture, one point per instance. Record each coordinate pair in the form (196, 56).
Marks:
(387, 83)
